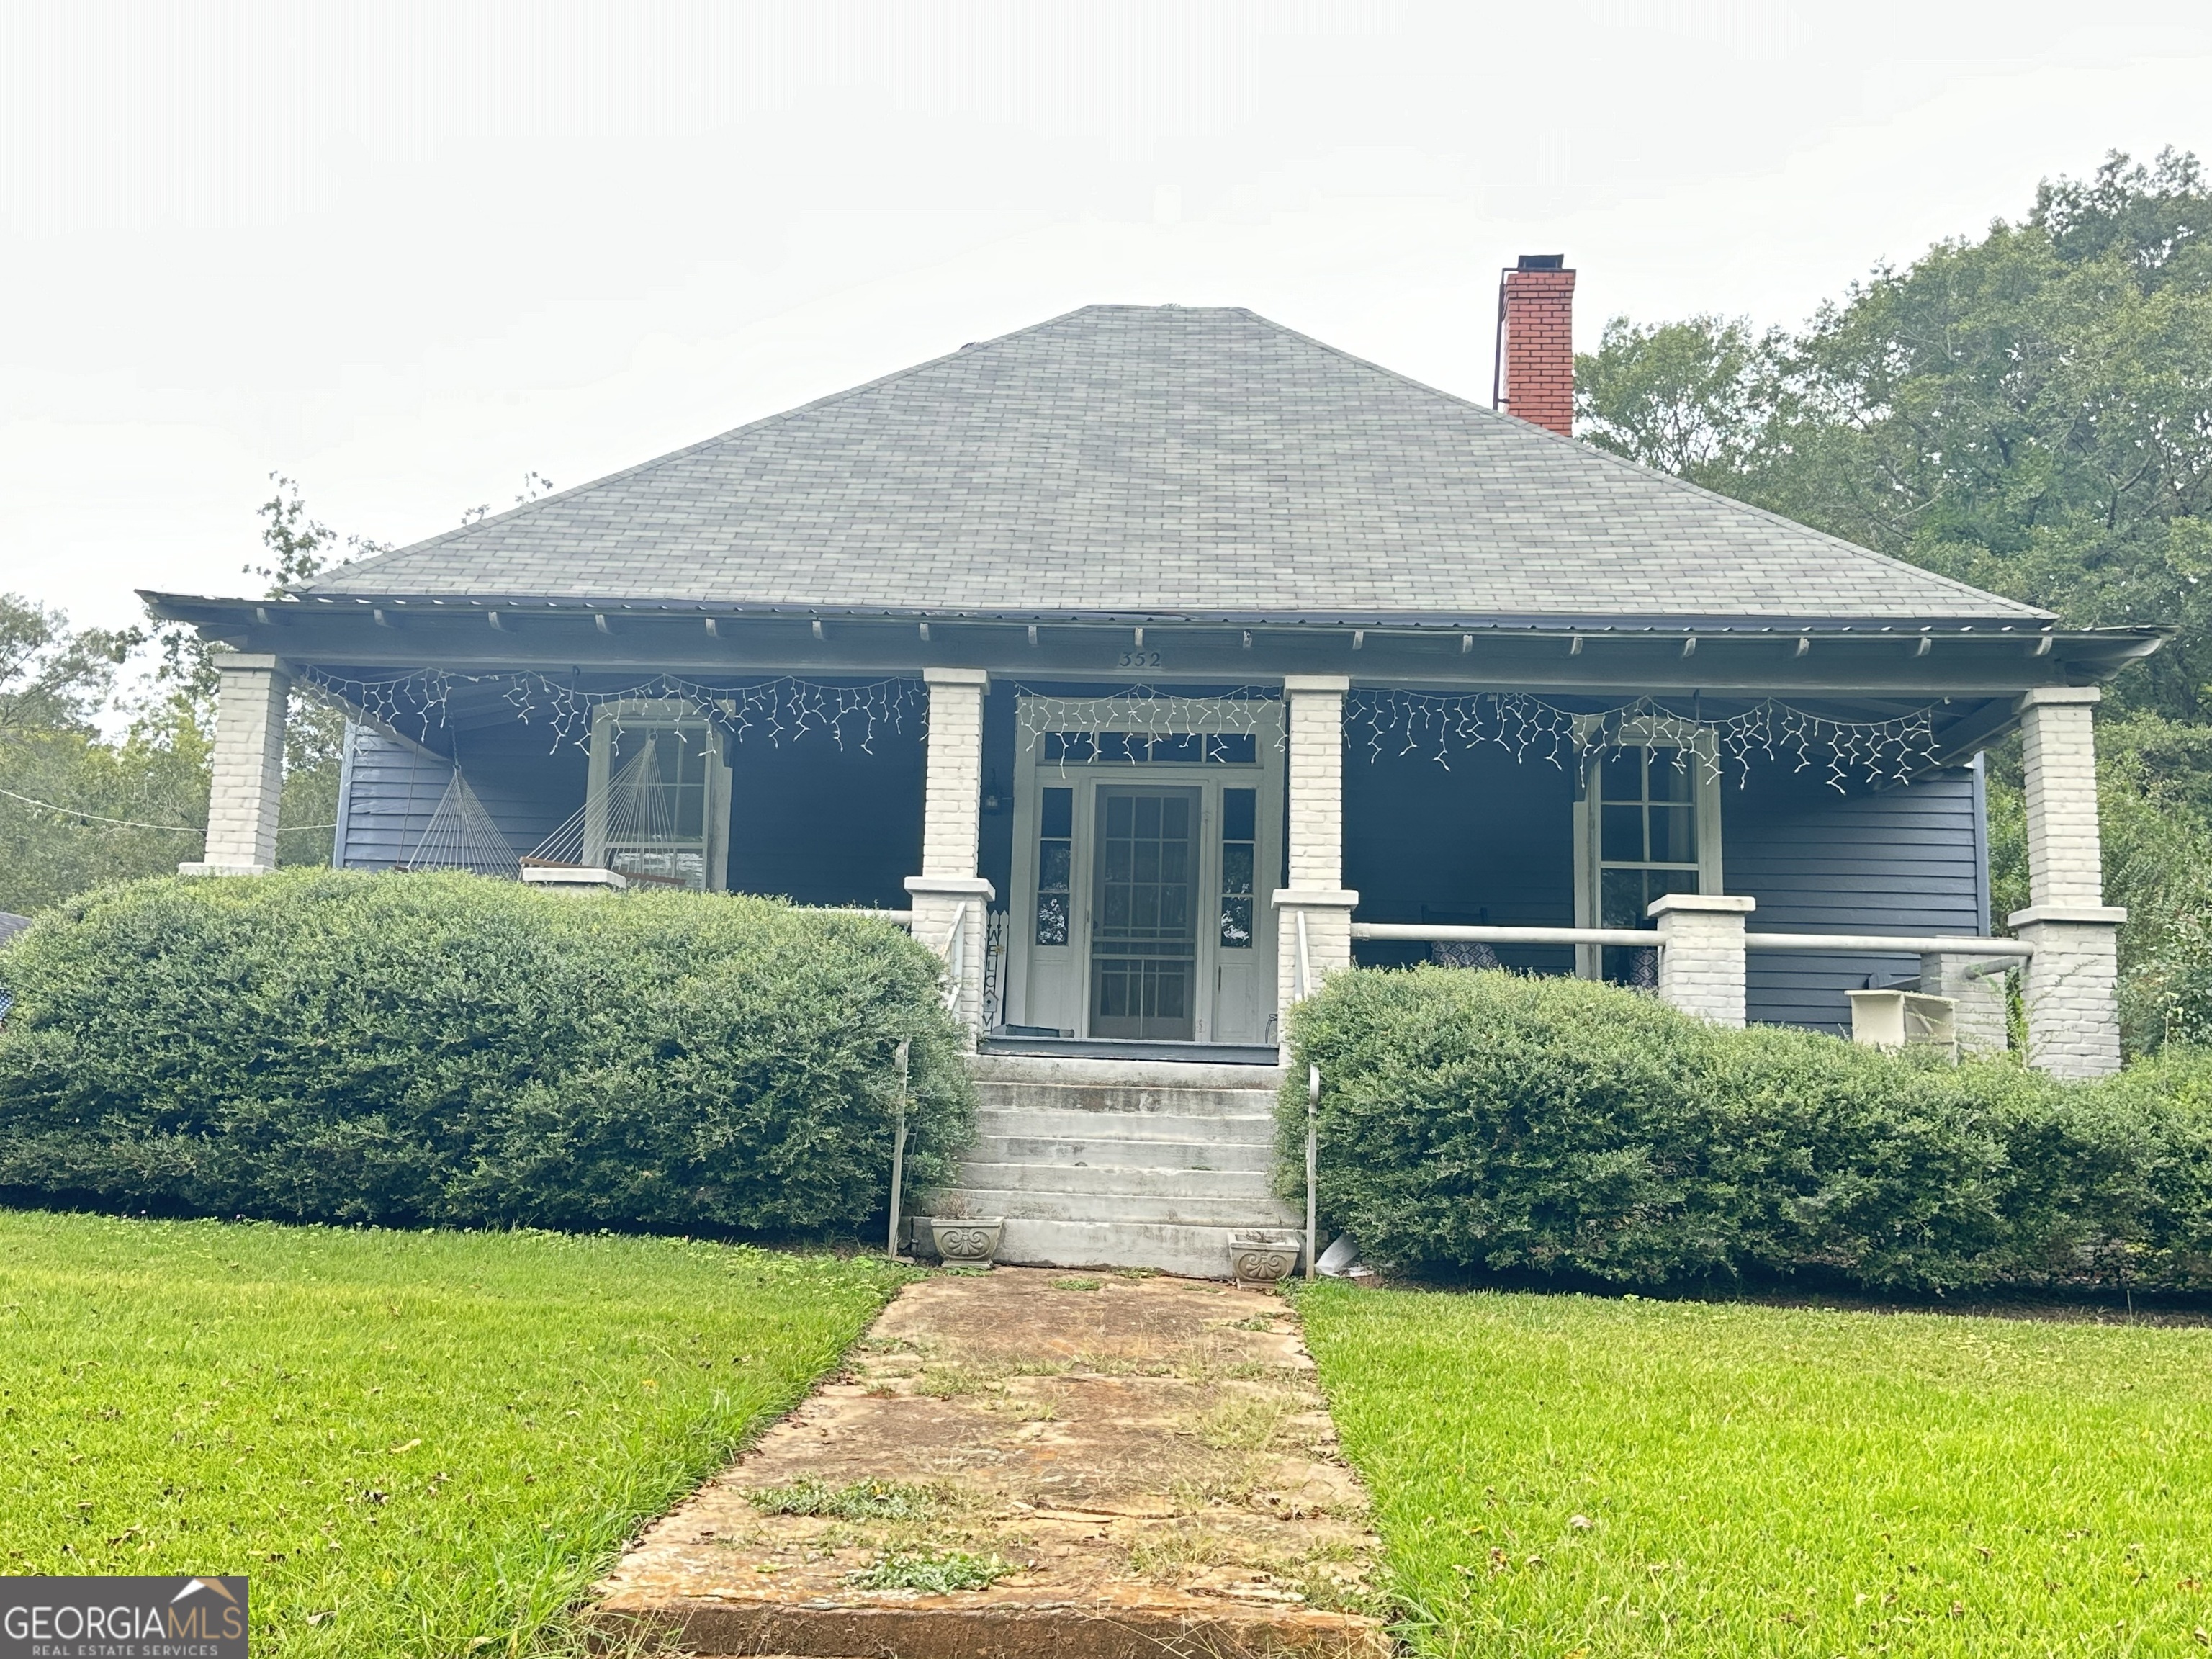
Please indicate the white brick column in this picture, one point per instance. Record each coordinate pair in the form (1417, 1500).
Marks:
(1979, 996)
(1701, 953)
(951, 816)
(247, 768)
(2072, 983)
(1316, 899)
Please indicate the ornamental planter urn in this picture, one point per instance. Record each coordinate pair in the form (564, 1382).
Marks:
(965, 1243)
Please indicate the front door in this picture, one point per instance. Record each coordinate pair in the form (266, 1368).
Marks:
(1141, 869)
(1144, 913)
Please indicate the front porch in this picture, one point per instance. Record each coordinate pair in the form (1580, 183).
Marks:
(1172, 866)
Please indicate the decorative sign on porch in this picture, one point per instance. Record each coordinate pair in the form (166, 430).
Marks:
(1441, 725)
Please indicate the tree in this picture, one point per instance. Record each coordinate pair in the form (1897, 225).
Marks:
(1695, 399)
(76, 811)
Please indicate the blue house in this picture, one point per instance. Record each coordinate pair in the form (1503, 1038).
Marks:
(1153, 662)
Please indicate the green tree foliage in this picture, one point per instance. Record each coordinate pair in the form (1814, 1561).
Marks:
(321, 1045)
(120, 797)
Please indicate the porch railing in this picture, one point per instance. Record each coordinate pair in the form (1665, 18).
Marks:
(1894, 944)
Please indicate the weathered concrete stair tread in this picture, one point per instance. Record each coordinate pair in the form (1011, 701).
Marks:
(1201, 1211)
(1122, 1074)
(1119, 1180)
(1074, 1433)
(1168, 1128)
(1096, 1163)
(1105, 1152)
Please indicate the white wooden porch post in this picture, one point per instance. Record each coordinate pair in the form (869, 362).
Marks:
(247, 768)
(948, 890)
(1313, 924)
(2072, 987)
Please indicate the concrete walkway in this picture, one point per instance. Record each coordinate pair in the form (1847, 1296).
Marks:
(1146, 1460)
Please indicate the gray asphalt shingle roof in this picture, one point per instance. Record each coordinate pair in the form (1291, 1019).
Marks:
(1162, 460)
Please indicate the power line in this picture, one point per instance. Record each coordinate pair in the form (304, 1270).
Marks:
(132, 824)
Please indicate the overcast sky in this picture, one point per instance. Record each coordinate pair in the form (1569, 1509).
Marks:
(406, 253)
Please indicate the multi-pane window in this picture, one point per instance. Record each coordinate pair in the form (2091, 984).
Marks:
(1647, 813)
(1055, 864)
(1239, 844)
(655, 809)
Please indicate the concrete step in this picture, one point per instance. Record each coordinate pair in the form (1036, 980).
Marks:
(1103, 1151)
(1245, 1129)
(1117, 1183)
(1131, 1103)
(1120, 1073)
(1193, 1251)
(1110, 1209)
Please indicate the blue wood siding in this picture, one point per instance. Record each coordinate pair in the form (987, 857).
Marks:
(390, 787)
(1910, 860)
(808, 820)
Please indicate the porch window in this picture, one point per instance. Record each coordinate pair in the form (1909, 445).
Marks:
(1055, 863)
(657, 805)
(1651, 827)
(1239, 842)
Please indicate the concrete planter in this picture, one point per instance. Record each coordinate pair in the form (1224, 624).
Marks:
(962, 1244)
(1262, 1258)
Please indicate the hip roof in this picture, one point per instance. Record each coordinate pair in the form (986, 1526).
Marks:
(1166, 461)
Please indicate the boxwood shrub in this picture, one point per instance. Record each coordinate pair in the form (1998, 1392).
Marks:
(1495, 1122)
(445, 1048)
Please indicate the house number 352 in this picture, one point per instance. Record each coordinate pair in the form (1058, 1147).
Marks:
(1139, 660)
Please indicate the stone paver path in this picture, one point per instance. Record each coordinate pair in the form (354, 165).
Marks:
(1148, 1461)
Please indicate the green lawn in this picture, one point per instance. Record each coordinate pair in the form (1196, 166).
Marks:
(416, 1443)
(1564, 1474)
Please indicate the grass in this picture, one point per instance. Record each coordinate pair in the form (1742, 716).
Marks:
(937, 1573)
(862, 1500)
(1563, 1475)
(416, 1444)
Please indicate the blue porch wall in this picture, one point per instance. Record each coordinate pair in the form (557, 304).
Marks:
(389, 787)
(1490, 840)
(808, 821)
(1909, 860)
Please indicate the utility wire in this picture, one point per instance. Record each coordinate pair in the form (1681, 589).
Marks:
(132, 824)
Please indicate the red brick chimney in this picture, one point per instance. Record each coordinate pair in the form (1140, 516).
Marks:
(1536, 373)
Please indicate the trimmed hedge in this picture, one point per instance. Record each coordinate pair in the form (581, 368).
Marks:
(444, 1049)
(1552, 1126)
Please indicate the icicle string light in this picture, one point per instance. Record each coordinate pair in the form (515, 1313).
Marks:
(1440, 724)
(782, 710)
(1239, 711)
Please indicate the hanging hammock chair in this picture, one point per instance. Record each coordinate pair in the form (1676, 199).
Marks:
(461, 836)
(639, 816)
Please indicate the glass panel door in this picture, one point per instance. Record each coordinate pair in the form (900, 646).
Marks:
(1144, 935)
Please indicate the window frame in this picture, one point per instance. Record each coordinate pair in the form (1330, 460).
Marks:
(660, 714)
(1588, 828)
